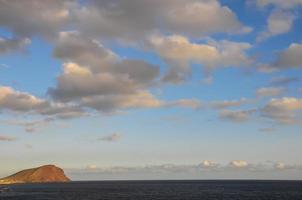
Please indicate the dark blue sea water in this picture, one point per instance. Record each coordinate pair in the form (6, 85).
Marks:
(158, 190)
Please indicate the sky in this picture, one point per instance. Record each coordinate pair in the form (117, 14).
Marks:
(152, 89)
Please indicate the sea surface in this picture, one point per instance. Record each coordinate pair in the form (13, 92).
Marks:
(158, 190)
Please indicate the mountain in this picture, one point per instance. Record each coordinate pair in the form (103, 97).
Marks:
(43, 174)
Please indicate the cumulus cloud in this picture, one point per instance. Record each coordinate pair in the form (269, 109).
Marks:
(119, 19)
(179, 53)
(22, 102)
(8, 45)
(111, 138)
(93, 73)
(236, 116)
(19, 101)
(289, 58)
(95, 77)
(209, 164)
(33, 17)
(7, 138)
(279, 22)
(239, 163)
(226, 104)
(91, 167)
(270, 91)
(283, 110)
(134, 19)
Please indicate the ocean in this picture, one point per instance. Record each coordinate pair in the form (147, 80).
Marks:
(158, 190)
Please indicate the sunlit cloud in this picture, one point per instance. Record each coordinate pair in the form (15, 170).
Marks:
(7, 138)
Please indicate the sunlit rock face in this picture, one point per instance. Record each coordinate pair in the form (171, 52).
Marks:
(43, 174)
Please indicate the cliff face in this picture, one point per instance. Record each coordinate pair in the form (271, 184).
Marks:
(43, 174)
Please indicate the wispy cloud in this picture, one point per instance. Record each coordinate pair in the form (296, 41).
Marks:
(270, 91)
(7, 138)
(111, 138)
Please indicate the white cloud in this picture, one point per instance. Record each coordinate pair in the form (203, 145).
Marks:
(280, 165)
(94, 74)
(289, 58)
(136, 19)
(209, 164)
(19, 101)
(283, 110)
(22, 102)
(91, 167)
(199, 169)
(179, 53)
(239, 163)
(33, 17)
(269, 91)
(279, 22)
(96, 77)
(8, 45)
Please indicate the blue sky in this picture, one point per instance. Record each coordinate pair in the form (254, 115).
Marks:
(152, 89)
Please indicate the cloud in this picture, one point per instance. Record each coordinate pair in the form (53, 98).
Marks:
(30, 126)
(34, 17)
(283, 80)
(22, 102)
(19, 101)
(280, 165)
(118, 19)
(236, 116)
(280, 3)
(239, 164)
(193, 169)
(136, 19)
(8, 45)
(95, 77)
(283, 110)
(93, 72)
(289, 58)
(279, 22)
(185, 103)
(7, 138)
(111, 103)
(91, 167)
(226, 104)
(178, 52)
(209, 164)
(111, 138)
(270, 91)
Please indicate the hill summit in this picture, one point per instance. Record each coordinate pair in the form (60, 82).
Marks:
(43, 174)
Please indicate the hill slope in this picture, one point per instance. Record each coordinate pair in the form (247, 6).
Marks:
(43, 174)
